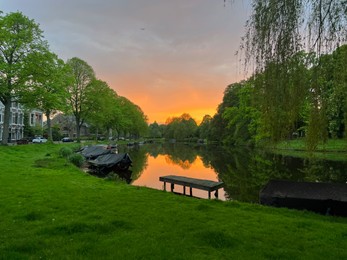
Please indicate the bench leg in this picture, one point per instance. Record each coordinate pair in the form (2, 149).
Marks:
(184, 190)
(172, 187)
(191, 191)
(164, 186)
(209, 195)
(216, 194)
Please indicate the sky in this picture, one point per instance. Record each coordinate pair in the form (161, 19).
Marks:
(167, 56)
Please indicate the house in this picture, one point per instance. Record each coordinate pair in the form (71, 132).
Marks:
(17, 120)
(67, 126)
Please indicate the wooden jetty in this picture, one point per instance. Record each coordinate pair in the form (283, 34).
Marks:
(207, 185)
(323, 198)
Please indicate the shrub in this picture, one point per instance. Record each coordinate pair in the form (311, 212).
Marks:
(65, 152)
(77, 159)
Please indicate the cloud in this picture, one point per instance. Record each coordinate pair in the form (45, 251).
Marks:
(163, 55)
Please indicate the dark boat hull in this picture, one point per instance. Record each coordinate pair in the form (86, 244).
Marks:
(323, 198)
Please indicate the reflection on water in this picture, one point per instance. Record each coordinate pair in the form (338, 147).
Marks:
(243, 171)
(164, 165)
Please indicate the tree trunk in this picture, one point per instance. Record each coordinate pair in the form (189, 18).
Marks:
(78, 129)
(6, 125)
(49, 127)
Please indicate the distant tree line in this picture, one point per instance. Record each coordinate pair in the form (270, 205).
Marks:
(34, 76)
(283, 102)
(298, 85)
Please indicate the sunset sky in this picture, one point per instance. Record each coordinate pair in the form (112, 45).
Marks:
(167, 56)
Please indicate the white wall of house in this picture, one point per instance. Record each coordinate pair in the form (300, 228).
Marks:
(17, 120)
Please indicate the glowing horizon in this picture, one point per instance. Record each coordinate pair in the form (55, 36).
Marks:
(167, 57)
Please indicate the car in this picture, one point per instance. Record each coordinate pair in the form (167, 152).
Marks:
(66, 140)
(39, 139)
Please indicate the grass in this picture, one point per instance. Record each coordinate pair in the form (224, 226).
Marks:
(52, 210)
(333, 149)
(332, 145)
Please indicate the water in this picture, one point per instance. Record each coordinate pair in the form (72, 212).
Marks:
(244, 171)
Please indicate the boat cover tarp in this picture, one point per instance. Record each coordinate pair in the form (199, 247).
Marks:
(92, 152)
(111, 159)
(325, 198)
(306, 190)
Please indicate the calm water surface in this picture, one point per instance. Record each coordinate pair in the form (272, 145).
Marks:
(244, 171)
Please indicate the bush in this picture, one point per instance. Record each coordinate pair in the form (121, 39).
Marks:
(77, 159)
(65, 152)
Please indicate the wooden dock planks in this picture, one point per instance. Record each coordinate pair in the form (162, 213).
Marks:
(192, 183)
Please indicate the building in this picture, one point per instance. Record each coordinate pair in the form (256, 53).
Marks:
(67, 126)
(16, 130)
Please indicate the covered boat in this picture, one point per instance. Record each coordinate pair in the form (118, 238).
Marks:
(92, 152)
(323, 198)
(106, 163)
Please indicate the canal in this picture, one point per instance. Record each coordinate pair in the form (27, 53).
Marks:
(244, 171)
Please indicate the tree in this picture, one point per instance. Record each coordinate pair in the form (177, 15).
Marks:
(155, 131)
(276, 34)
(183, 127)
(133, 120)
(82, 74)
(47, 90)
(204, 127)
(101, 105)
(19, 37)
(242, 118)
(277, 30)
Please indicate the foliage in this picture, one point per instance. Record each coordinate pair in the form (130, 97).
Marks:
(102, 109)
(65, 152)
(19, 38)
(47, 90)
(242, 116)
(303, 96)
(76, 159)
(133, 121)
(82, 74)
(181, 128)
(155, 131)
(294, 89)
(204, 127)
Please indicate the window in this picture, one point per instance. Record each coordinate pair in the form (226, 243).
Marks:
(32, 119)
(14, 118)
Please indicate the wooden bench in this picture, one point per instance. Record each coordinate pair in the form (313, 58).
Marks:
(192, 183)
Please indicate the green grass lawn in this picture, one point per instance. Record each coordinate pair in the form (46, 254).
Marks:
(52, 210)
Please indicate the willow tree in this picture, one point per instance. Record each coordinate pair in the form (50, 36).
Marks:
(19, 37)
(276, 32)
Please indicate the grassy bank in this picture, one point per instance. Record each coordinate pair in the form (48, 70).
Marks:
(331, 150)
(51, 209)
(332, 145)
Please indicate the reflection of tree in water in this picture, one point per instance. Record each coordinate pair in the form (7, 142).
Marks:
(324, 171)
(245, 172)
(177, 154)
(183, 164)
(242, 171)
(139, 156)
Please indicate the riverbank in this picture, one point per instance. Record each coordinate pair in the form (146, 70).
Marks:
(333, 149)
(332, 145)
(51, 209)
